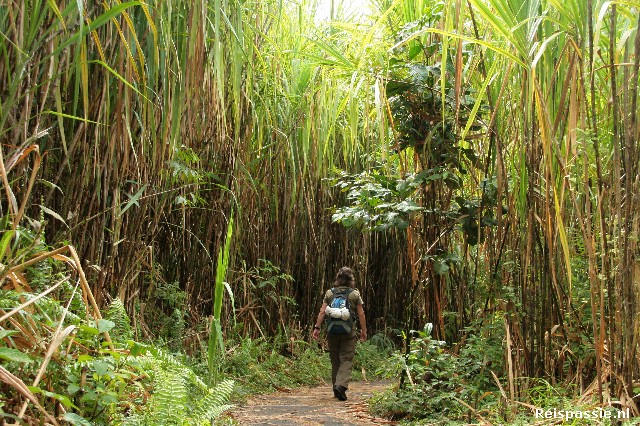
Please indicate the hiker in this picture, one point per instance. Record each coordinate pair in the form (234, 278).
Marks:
(340, 305)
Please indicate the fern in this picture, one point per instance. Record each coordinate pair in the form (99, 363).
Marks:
(172, 361)
(179, 396)
(48, 308)
(176, 328)
(170, 400)
(212, 405)
(77, 420)
(118, 315)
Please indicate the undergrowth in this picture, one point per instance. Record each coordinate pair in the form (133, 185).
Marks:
(439, 386)
(263, 365)
(89, 379)
(124, 382)
(267, 364)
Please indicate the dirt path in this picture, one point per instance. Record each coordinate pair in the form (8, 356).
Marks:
(312, 406)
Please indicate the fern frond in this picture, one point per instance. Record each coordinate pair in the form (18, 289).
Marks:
(118, 315)
(212, 405)
(179, 396)
(171, 361)
(213, 413)
(169, 403)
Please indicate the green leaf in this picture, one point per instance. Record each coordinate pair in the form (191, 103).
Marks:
(138, 349)
(62, 398)
(105, 325)
(440, 267)
(113, 353)
(95, 24)
(4, 242)
(90, 396)
(133, 199)
(109, 398)
(35, 389)
(54, 214)
(408, 206)
(122, 79)
(88, 329)
(73, 117)
(215, 338)
(85, 357)
(72, 388)
(76, 419)
(414, 51)
(101, 367)
(5, 333)
(461, 37)
(14, 355)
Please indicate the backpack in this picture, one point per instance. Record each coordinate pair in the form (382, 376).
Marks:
(338, 313)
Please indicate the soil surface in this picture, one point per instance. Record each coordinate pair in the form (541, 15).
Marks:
(312, 406)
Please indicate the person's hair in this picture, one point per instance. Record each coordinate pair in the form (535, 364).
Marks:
(344, 277)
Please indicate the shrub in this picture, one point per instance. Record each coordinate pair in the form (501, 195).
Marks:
(435, 382)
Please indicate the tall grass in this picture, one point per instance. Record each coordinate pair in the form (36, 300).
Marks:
(562, 203)
(155, 118)
(215, 349)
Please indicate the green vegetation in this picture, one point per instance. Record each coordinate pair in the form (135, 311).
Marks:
(91, 379)
(196, 172)
(443, 386)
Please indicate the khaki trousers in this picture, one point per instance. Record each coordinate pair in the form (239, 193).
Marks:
(342, 348)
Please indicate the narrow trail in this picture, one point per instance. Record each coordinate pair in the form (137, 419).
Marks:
(312, 406)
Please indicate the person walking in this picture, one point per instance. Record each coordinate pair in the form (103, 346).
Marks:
(340, 306)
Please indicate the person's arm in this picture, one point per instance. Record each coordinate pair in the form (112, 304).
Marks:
(316, 328)
(363, 323)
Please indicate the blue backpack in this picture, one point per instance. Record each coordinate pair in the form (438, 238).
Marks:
(339, 314)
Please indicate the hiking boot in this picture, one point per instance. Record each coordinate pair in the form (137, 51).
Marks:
(340, 392)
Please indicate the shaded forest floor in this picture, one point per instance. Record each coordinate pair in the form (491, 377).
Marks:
(312, 406)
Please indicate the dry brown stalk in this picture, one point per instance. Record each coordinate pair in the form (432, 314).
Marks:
(58, 337)
(86, 290)
(33, 300)
(474, 411)
(21, 387)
